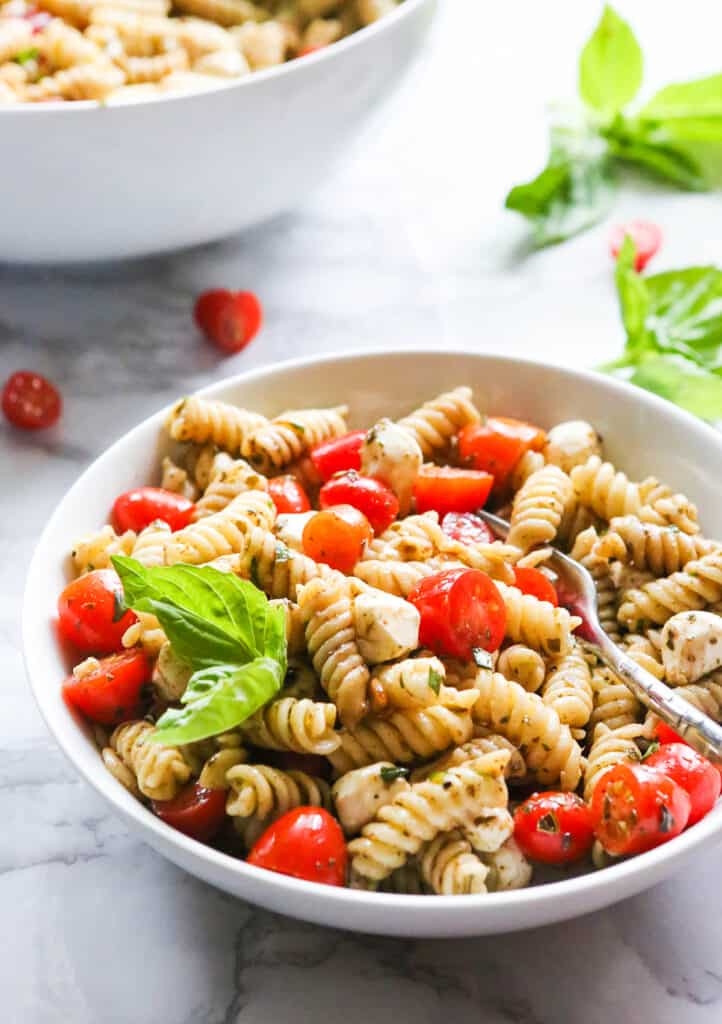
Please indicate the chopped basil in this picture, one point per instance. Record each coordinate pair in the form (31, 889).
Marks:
(437, 777)
(651, 749)
(435, 680)
(26, 56)
(392, 773)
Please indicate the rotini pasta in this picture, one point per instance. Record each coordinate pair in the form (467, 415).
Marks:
(538, 508)
(258, 795)
(450, 868)
(609, 747)
(159, 771)
(522, 665)
(288, 437)
(304, 726)
(698, 584)
(436, 422)
(568, 689)
(662, 550)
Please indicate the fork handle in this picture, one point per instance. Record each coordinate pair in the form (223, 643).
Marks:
(700, 731)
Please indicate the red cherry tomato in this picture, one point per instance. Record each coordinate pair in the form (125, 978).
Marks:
(91, 615)
(665, 734)
(444, 489)
(288, 494)
(307, 50)
(497, 445)
(338, 454)
(377, 501)
(534, 582)
(466, 528)
(647, 238)
(306, 843)
(461, 609)
(635, 808)
(31, 402)
(693, 772)
(554, 828)
(228, 319)
(112, 692)
(140, 507)
(196, 811)
(337, 537)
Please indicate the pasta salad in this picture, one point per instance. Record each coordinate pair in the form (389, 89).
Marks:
(121, 51)
(303, 646)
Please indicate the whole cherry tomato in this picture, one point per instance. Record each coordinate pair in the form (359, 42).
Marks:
(138, 508)
(461, 609)
(497, 445)
(466, 528)
(338, 454)
(306, 843)
(647, 238)
(337, 537)
(196, 811)
(91, 614)
(554, 828)
(288, 494)
(693, 772)
(228, 319)
(635, 808)
(112, 692)
(30, 401)
(445, 489)
(377, 501)
(534, 582)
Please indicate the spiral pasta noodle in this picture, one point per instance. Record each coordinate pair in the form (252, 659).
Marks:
(610, 747)
(508, 868)
(398, 578)
(304, 726)
(436, 422)
(568, 689)
(538, 508)
(96, 550)
(583, 552)
(537, 623)
(483, 742)
(229, 479)
(698, 584)
(223, 533)
(412, 682)
(450, 868)
(614, 703)
(286, 438)
(662, 550)
(201, 419)
(159, 771)
(273, 567)
(522, 665)
(259, 794)
(605, 490)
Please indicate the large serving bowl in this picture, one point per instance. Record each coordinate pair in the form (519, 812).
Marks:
(642, 434)
(82, 181)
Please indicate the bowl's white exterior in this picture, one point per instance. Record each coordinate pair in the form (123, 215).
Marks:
(642, 433)
(86, 182)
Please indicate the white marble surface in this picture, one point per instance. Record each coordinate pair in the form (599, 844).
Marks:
(405, 245)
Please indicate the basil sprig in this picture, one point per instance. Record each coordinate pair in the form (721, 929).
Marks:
(224, 629)
(675, 137)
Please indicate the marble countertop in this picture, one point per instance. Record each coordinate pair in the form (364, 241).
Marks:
(406, 245)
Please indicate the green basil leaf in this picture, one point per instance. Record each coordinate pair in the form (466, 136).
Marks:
(656, 151)
(633, 299)
(391, 773)
(701, 98)
(683, 382)
(685, 313)
(218, 699)
(610, 67)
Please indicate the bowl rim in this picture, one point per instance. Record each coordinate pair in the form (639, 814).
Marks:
(415, 907)
(256, 78)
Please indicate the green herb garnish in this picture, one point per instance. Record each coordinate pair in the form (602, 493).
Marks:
(435, 680)
(26, 56)
(390, 773)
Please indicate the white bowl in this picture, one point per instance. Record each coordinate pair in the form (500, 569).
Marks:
(87, 182)
(642, 434)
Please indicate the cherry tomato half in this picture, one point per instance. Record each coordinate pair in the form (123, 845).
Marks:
(111, 693)
(338, 454)
(466, 528)
(647, 238)
(30, 401)
(288, 494)
(196, 811)
(230, 320)
(534, 582)
(445, 489)
(91, 613)
(665, 734)
(337, 537)
(377, 501)
(554, 828)
(306, 843)
(635, 808)
(140, 507)
(461, 609)
(693, 772)
(497, 445)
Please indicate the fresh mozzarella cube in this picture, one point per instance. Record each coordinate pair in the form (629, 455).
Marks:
(691, 646)
(289, 528)
(391, 454)
(360, 794)
(387, 627)
(171, 675)
(570, 444)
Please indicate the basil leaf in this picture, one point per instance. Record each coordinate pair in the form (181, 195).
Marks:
(610, 67)
(392, 773)
(685, 313)
(651, 147)
(683, 382)
(633, 298)
(701, 98)
(218, 699)
(435, 680)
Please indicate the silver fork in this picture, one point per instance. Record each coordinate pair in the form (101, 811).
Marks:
(579, 595)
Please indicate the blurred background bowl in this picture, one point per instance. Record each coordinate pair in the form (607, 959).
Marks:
(82, 181)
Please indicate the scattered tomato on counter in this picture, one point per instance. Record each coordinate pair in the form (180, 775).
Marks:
(136, 509)
(647, 238)
(30, 401)
(306, 843)
(554, 828)
(230, 320)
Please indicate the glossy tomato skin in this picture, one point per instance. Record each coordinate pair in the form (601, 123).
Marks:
(339, 454)
(445, 489)
(90, 614)
(635, 808)
(461, 609)
(466, 528)
(288, 494)
(113, 692)
(305, 843)
(196, 811)
(554, 828)
(337, 537)
(496, 446)
(665, 734)
(136, 509)
(647, 238)
(534, 582)
(230, 320)
(371, 497)
(693, 772)
(30, 401)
